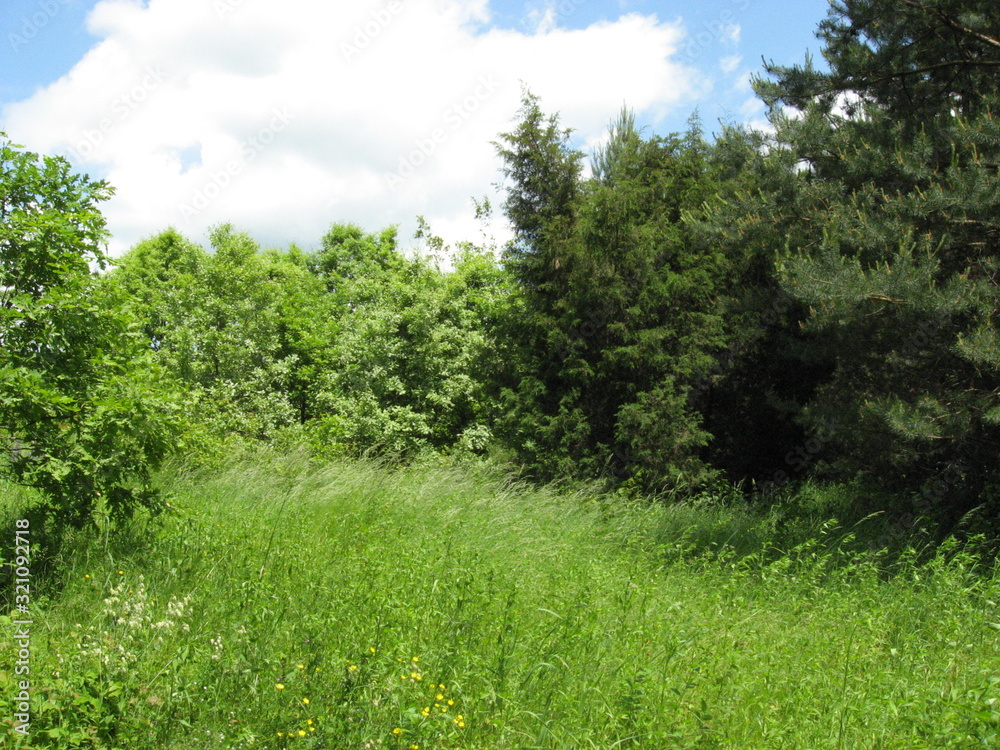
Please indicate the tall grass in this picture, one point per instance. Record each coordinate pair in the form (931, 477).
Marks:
(285, 605)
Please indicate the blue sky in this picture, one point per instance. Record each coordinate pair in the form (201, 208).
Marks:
(286, 117)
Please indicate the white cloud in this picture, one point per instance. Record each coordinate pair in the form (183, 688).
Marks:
(730, 63)
(542, 20)
(284, 118)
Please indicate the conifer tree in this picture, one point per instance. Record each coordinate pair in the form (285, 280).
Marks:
(885, 227)
(615, 313)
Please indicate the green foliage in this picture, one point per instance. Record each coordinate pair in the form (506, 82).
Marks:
(84, 411)
(408, 366)
(756, 385)
(246, 331)
(874, 208)
(349, 254)
(363, 348)
(544, 176)
(616, 315)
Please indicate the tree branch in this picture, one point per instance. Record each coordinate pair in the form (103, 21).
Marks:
(953, 24)
(936, 66)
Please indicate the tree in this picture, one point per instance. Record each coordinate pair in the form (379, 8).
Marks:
(367, 349)
(159, 280)
(406, 372)
(348, 252)
(890, 234)
(86, 413)
(543, 176)
(615, 316)
(753, 392)
(247, 332)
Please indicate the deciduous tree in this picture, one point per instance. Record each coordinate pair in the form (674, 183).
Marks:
(86, 412)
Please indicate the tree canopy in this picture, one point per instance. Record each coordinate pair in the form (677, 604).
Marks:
(83, 409)
(894, 237)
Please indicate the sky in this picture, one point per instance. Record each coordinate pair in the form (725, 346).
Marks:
(286, 117)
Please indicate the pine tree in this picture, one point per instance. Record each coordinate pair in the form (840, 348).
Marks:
(888, 232)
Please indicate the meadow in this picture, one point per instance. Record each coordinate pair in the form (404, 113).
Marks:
(281, 603)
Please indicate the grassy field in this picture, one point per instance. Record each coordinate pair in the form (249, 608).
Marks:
(285, 605)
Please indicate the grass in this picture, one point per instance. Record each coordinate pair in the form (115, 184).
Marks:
(286, 605)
